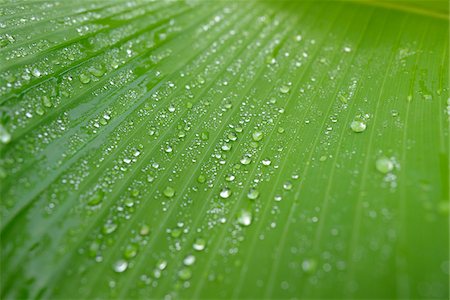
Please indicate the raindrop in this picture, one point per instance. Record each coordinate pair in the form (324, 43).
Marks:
(266, 162)
(199, 244)
(309, 266)
(257, 136)
(225, 193)
(244, 218)
(358, 126)
(130, 251)
(96, 198)
(5, 136)
(84, 78)
(185, 274)
(145, 230)
(169, 192)
(120, 266)
(252, 194)
(287, 185)
(109, 227)
(384, 165)
(189, 260)
(245, 160)
(284, 89)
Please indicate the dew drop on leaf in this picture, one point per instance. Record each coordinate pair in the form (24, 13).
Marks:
(120, 266)
(358, 126)
(384, 165)
(169, 192)
(244, 218)
(199, 244)
(225, 193)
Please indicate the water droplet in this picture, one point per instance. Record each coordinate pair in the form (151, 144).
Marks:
(5, 136)
(185, 274)
(36, 73)
(97, 72)
(384, 165)
(245, 160)
(161, 264)
(46, 101)
(189, 260)
(309, 266)
(266, 162)
(145, 230)
(244, 218)
(109, 227)
(84, 78)
(257, 136)
(204, 135)
(230, 177)
(225, 193)
(96, 198)
(284, 89)
(201, 179)
(347, 49)
(358, 126)
(169, 192)
(199, 244)
(130, 251)
(168, 149)
(278, 198)
(120, 266)
(226, 147)
(252, 194)
(287, 185)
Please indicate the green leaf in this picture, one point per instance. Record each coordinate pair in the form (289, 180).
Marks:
(224, 149)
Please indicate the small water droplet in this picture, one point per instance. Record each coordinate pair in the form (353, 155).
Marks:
(309, 266)
(169, 192)
(5, 136)
(145, 230)
(225, 193)
(84, 78)
(96, 198)
(252, 194)
(384, 165)
(189, 260)
(257, 136)
(185, 274)
(245, 160)
(287, 185)
(199, 244)
(244, 218)
(109, 227)
(120, 266)
(226, 147)
(284, 89)
(130, 251)
(358, 126)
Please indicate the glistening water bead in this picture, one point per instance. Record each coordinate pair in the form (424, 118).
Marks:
(358, 126)
(384, 165)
